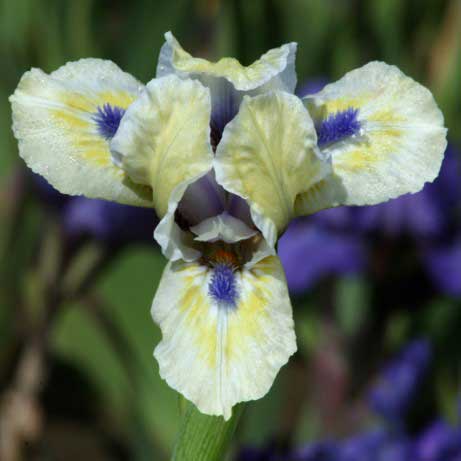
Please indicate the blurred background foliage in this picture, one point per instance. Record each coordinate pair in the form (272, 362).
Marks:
(77, 377)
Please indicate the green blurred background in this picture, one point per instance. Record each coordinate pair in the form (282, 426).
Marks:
(101, 396)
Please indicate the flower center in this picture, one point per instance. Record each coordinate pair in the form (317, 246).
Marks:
(338, 126)
(108, 119)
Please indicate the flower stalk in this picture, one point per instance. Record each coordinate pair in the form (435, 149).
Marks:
(204, 438)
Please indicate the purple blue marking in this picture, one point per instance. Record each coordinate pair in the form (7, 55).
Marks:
(108, 119)
(222, 287)
(338, 126)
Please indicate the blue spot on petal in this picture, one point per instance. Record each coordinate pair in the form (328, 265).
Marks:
(108, 119)
(222, 287)
(338, 126)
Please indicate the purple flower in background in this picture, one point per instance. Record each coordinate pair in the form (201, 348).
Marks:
(341, 219)
(108, 222)
(390, 398)
(442, 256)
(377, 445)
(317, 451)
(418, 215)
(309, 253)
(440, 442)
(443, 264)
(399, 381)
(47, 194)
(363, 446)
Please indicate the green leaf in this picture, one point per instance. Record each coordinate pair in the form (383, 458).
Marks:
(204, 438)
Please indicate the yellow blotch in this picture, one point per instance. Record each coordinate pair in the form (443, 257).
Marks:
(78, 102)
(245, 325)
(70, 120)
(386, 116)
(198, 320)
(338, 105)
(382, 143)
(84, 103)
(76, 118)
(356, 160)
(121, 99)
(99, 157)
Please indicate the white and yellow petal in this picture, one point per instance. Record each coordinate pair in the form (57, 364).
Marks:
(267, 156)
(220, 353)
(164, 142)
(398, 144)
(275, 69)
(63, 122)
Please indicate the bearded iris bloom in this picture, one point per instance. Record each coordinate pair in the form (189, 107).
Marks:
(227, 155)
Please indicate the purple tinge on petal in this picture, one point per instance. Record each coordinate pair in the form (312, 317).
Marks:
(309, 253)
(439, 442)
(338, 126)
(399, 381)
(225, 107)
(108, 119)
(203, 199)
(239, 208)
(311, 86)
(108, 222)
(443, 264)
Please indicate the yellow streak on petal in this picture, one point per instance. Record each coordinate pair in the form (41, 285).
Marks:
(197, 316)
(245, 323)
(121, 99)
(76, 117)
(339, 105)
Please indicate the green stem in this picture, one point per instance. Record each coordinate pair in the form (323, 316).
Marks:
(204, 438)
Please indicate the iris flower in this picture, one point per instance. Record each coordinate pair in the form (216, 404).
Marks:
(227, 155)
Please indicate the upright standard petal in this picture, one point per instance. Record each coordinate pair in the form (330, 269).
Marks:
(276, 68)
(164, 142)
(267, 157)
(384, 133)
(64, 122)
(226, 332)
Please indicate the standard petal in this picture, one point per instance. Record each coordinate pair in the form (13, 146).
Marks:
(223, 343)
(276, 68)
(384, 133)
(164, 142)
(64, 121)
(267, 157)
